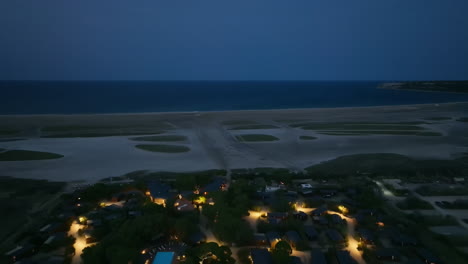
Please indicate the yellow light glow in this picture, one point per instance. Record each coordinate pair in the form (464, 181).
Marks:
(143, 251)
(82, 219)
(200, 200)
(343, 209)
(160, 201)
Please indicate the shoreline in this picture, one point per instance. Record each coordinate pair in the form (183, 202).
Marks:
(283, 110)
(416, 90)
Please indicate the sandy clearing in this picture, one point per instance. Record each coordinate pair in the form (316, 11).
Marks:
(90, 159)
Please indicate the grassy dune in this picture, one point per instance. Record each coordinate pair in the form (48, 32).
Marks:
(72, 128)
(380, 132)
(307, 137)
(351, 126)
(18, 155)
(164, 148)
(101, 134)
(239, 122)
(362, 129)
(253, 127)
(438, 118)
(18, 198)
(434, 86)
(8, 132)
(11, 139)
(256, 138)
(391, 165)
(161, 138)
(102, 131)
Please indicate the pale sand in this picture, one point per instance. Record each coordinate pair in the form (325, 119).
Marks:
(213, 146)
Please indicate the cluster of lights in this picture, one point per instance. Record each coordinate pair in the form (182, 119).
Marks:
(82, 219)
(343, 209)
(200, 200)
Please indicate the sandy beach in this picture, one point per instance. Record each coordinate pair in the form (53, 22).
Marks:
(211, 137)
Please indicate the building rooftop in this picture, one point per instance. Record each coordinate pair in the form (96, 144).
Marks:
(310, 231)
(334, 235)
(261, 256)
(293, 236)
(319, 211)
(197, 237)
(271, 236)
(366, 234)
(317, 257)
(336, 219)
(159, 189)
(388, 253)
(214, 186)
(427, 256)
(344, 257)
(277, 215)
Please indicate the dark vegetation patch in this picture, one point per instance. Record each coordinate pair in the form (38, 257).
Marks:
(438, 118)
(459, 204)
(18, 197)
(256, 138)
(8, 132)
(101, 134)
(161, 138)
(391, 165)
(244, 127)
(239, 122)
(368, 128)
(102, 131)
(435, 86)
(414, 203)
(361, 126)
(19, 155)
(164, 148)
(11, 139)
(182, 180)
(380, 132)
(436, 190)
(307, 137)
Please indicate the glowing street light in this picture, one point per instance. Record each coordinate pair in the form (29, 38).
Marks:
(82, 219)
(343, 209)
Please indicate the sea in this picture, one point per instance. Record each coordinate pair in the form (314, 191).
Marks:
(90, 97)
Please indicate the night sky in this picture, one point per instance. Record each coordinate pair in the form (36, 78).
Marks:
(233, 39)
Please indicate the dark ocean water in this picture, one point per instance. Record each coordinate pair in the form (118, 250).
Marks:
(134, 97)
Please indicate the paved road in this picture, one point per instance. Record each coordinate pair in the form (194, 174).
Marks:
(352, 242)
(80, 242)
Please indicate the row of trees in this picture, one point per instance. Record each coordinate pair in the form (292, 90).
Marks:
(225, 216)
(123, 243)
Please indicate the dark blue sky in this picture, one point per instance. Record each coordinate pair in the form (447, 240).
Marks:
(234, 39)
